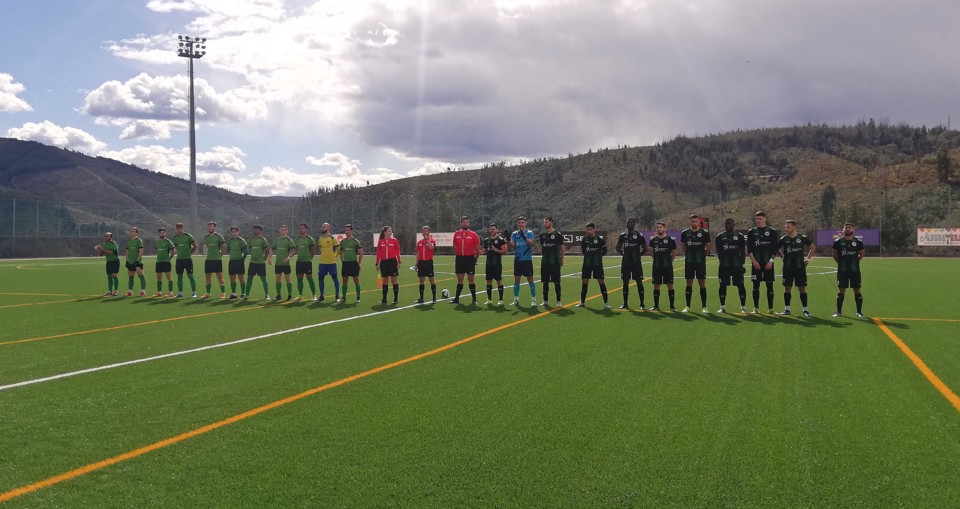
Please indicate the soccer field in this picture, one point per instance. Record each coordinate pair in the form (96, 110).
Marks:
(154, 402)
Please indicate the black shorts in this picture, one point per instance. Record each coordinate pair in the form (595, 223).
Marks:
(847, 279)
(761, 274)
(185, 265)
(465, 265)
(731, 275)
(388, 268)
(494, 272)
(213, 266)
(795, 276)
(235, 267)
(631, 270)
(304, 268)
(162, 267)
(550, 272)
(523, 268)
(663, 275)
(592, 271)
(281, 269)
(257, 269)
(350, 269)
(113, 266)
(424, 268)
(132, 267)
(695, 270)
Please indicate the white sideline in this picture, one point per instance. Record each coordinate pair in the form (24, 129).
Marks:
(195, 350)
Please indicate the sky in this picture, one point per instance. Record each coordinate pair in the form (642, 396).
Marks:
(293, 95)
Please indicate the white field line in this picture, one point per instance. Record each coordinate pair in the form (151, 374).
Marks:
(196, 350)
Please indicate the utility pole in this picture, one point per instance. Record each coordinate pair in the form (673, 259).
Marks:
(192, 48)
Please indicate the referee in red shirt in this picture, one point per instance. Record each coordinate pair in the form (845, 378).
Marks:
(388, 262)
(425, 248)
(466, 245)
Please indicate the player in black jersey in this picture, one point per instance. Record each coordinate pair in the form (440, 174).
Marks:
(593, 247)
(792, 247)
(551, 261)
(631, 245)
(731, 252)
(848, 252)
(762, 248)
(494, 247)
(696, 248)
(664, 249)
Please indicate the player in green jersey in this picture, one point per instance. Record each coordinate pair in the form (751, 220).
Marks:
(284, 248)
(848, 252)
(306, 250)
(351, 252)
(762, 249)
(259, 251)
(696, 248)
(164, 248)
(216, 245)
(134, 261)
(791, 249)
(186, 246)
(111, 252)
(237, 254)
(593, 247)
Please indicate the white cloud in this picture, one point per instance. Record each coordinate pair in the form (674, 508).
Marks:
(49, 133)
(346, 167)
(166, 98)
(210, 165)
(152, 129)
(9, 89)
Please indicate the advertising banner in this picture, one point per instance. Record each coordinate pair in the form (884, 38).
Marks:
(938, 236)
(443, 239)
(869, 236)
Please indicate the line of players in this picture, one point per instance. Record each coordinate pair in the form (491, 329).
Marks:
(761, 245)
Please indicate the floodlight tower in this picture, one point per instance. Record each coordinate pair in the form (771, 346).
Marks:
(192, 48)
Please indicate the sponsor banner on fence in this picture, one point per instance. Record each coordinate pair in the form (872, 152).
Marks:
(574, 237)
(869, 236)
(938, 236)
(672, 233)
(443, 239)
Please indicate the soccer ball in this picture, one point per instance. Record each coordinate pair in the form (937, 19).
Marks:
(445, 293)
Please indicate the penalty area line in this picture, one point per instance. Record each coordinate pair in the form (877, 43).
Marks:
(135, 453)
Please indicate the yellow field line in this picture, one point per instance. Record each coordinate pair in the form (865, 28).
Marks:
(46, 294)
(922, 366)
(952, 320)
(152, 322)
(42, 303)
(92, 467)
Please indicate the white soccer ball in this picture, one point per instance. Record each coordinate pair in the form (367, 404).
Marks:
(445, 293)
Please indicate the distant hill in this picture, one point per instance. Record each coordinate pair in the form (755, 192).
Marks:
(874, 174)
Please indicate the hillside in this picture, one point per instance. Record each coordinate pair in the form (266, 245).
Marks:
(895, 176)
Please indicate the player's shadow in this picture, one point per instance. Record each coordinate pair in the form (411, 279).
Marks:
(605, 312)
(163, 302)
(671, 315)
(813, 321)
(721, 318)
(895, 325)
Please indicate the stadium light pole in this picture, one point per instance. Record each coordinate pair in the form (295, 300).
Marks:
(192, 48)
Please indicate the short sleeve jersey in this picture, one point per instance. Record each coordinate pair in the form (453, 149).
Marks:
(762, 243)
(133, 249)
(662, 248)
(794, 250)
(731, 247)
(281, 247)
(593, 249)
(304, 248)
(423, 249)
(112, 246)
(551, 244)
(849, 253)
(695, 245)
(183, 241)
(213, 241)
(235, 248)
(258, 249)
(494, 259)
(349, 249)
(164, 248)
(632, 244)
(327, 245)
(522, 252)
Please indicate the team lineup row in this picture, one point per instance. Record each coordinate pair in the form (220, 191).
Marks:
(761, 245)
